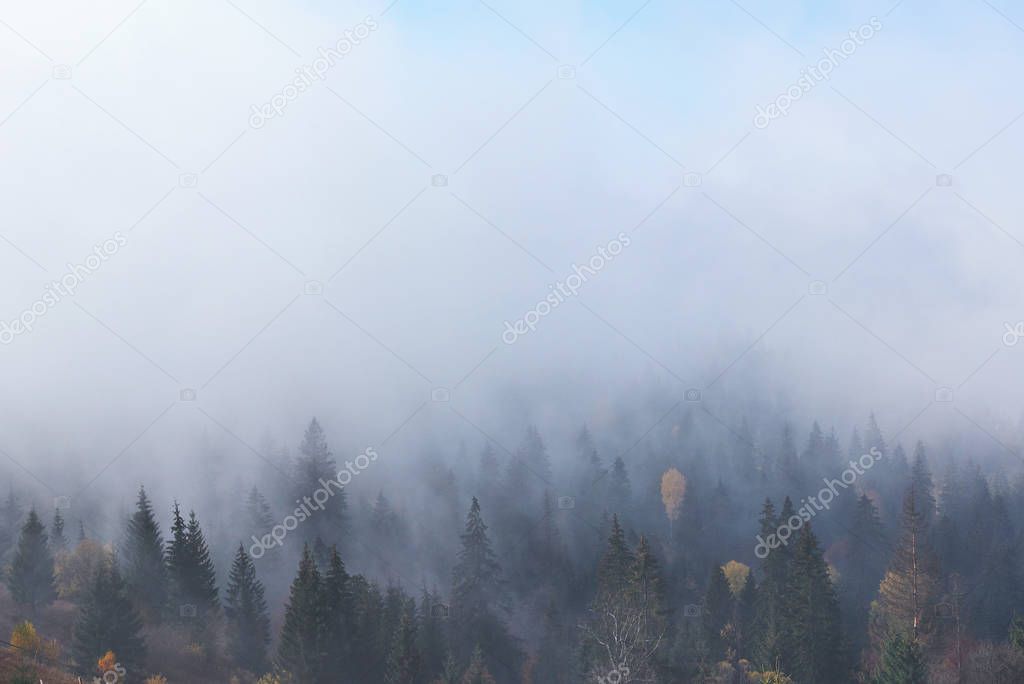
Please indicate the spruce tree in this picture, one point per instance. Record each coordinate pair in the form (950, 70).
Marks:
(430, 635)
(315, 466)
(717, 614)
(245, 608)
(142, 556)
(902, 661)
(404, 664)
(620, 491)
(299, 651)
(58, 542)
(336, 606)
(31, 579)
(772, 638)
(107, 621)
(192, 575)
(477, 590)
(258, 513)
(813, 614)
(864, 568)
(613, 571)
(10, 522)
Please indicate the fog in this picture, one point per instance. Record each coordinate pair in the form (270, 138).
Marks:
(650, 132)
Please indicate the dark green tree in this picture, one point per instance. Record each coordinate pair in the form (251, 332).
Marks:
(404, 663)
(813, 618)
(299, 652)
(107, 621)
(902, 661)
(717, 614)
(193, 579)
(58, 542)
(336, 614)
(315, 469)
(245, 609)
(616, 565)
(430, 635)
(142, 557)
(619, 490)
(477, 593)
(31, 580)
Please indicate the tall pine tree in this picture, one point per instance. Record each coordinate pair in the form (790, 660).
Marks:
(31, 580)
(143, 560)
(245, 608)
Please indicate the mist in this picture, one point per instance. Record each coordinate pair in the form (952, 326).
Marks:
(357, 249)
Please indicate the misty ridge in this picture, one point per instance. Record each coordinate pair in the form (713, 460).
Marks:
(511, 343)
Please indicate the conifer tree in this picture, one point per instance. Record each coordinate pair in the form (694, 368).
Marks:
(535, 455)
(553, 663)
(336, 614)
(907, 593)
(145, 573)
(315, 466)
(616, 565)
(58, 542)
(477, 590)
(31, 580)
(404, 664)
(863, 570)
(813, 614)
(192, 575)
(746, 618)
(258, 512)
(772, 637)
(10, 522)
(106, 622)
(430, 635)
(301, 636)
(902, 661)
(245, 608)
(718, 612)
(620, 491)
(477, 672)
